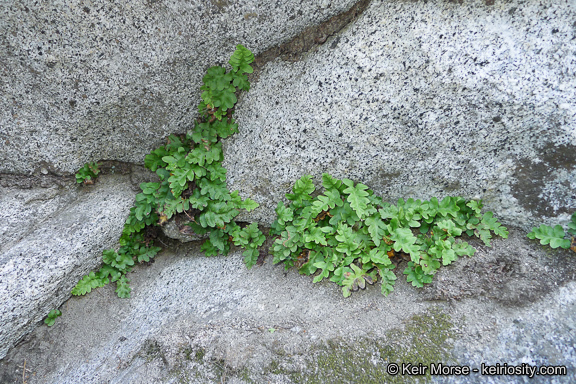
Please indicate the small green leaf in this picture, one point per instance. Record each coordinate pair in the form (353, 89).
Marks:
(49, 321)
(476, 206)
(325, 202)
(302, 189)
(147, 253)
(462, 248)
(121, 260)
(250, 257)
(216, 171)
(224, 128)
(240, 60)
(388, 280)
(330, 182)
(449, 227)
(88, 283)
(284, 214)
(357, 197)
(388, 212)
(248, 204)
(216, 189)
(153, 161)
(429, 264)
(347, 240)
(88, 172)
(216, 78)
(327, 267)
(123, 288)
(313, 257)
(241, 81)
(224, 99)
(376, 228)
(379, 256)
(202, 155)
(491, 223)
(416, 275)
(217, 214)
(548, 235)
(448, 206)
(209, 249)
(405, 240)
(315, 235)
(109, 271)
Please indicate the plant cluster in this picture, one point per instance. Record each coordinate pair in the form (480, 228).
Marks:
(192, 182)
(345, 234)
(52, 316)
(351, 237)
(555, 236)
(88, 173)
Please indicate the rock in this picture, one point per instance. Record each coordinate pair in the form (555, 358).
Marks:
(24, 210)
(420, 100)
(198, 319)
(57, 238)
(414, 99)
(171, 230)
(110, 81)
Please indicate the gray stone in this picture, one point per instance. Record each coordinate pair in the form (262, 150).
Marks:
(196, 319)
(108, 80)
(420, 100)
(415, 99)
(183, 234)
(541, 335)
(58, 238)
(23, 210)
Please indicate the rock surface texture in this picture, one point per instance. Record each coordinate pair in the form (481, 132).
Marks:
(412, 98)
(108, 80)
(424, 99)
(193, 319)
(100, 81)
(38, 269)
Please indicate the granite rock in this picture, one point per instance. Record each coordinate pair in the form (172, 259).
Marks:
(414, 99)
(196, 319)
(108, 80)
(423, 99)
(50, 251)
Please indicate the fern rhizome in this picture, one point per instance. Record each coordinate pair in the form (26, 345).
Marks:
(346, 234)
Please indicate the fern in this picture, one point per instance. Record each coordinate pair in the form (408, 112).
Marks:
(351, 237)
(192, 183)
(555, 236)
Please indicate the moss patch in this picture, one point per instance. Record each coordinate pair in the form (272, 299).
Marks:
(199, 355)
(152, 350)
(425, 339)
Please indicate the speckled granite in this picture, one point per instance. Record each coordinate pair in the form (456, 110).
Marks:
(415, 99)
(422, 99)
(39, 268)
(85, 81)
(193, 319)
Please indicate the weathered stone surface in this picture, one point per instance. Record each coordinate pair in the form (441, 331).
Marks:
(422, 99)
(23, 210)
(58, 237)
(108, 80)
(196, 319)
(415, 99)
(173, 231)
